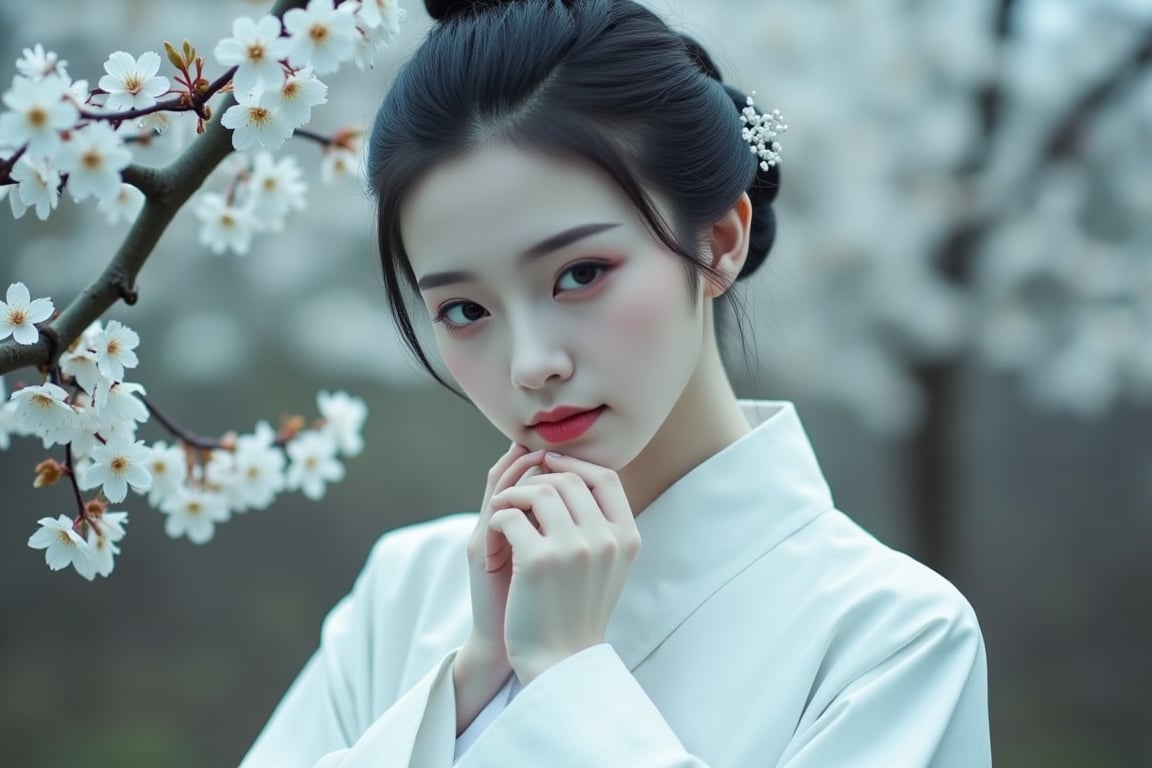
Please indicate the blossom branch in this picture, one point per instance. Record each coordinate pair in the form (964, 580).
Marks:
(70, 464)
(193, 101)
(166, 190)
(186, 437)
(304, 133)
(7, 164)
(1070, 127)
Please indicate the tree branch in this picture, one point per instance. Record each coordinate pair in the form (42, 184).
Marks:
(1070, 127)
(166, 190)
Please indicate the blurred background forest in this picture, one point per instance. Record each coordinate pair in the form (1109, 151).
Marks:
(960, 303)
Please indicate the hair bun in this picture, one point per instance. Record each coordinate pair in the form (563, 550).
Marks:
(700, 57)
(443, 10)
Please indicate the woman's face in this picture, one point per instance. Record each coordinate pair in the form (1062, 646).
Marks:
(548, 290)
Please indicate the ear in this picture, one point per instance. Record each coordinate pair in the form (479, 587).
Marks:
(727, 242)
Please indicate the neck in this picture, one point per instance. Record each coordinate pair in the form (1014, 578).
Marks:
(706, 419)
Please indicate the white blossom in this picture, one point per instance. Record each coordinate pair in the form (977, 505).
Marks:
(93, 158)
(132, 83)
(125, 204)
(9, 423)
(87, 426)
(378, 25)
(37, 62)
(42, 410)
(314, 463)
(276, 187)
(78, 93)
(338, 162)
(117, 402)
(250, 475)
(114, 349)
(61, 544)
(20, 313)
(322, 35)
(92, 334)
(168, 466)
(255, 49)
(40, 111)
(296, 95)
(224, 226)
(258, 468)
(343, 420)
(381, 14)
(194, 512)
(255, 120)
(118, 464)
(39, 185)
(99, 556)
(14, 199)
(112, 524)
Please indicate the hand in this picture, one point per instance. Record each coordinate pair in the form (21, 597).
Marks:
(489, 585)
(568, 572)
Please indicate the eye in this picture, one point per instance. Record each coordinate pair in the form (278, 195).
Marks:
(458, 315)
(582, 275)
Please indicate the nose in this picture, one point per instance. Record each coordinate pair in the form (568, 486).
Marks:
(538, 356)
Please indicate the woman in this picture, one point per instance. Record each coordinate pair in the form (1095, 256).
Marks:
(657, 576)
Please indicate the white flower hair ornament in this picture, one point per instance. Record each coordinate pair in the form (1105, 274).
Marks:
(761, 131)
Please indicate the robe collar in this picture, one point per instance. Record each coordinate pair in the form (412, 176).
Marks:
(714, 522)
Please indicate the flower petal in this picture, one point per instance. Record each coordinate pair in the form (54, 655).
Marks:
(40, 310)
(18, 295)
(148, 64)
(119, 64)
(26, 334)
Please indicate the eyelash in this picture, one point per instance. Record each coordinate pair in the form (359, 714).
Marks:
(603, 268)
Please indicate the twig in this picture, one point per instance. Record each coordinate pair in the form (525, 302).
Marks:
(194, 440)
(320, 139)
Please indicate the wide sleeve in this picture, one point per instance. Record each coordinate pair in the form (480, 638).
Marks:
(922, 704)
(354, 702)
(587, 710)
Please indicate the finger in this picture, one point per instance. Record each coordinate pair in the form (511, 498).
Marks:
(504, 473)
(515, 453)
(513, 526)
(497, 470)
(516, 470)
(603, 483)
(542, 500)
(577, 498)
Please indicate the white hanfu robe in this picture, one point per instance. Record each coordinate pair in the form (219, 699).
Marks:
(759, 627)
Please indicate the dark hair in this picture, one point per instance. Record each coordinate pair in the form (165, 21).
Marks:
(603, 80)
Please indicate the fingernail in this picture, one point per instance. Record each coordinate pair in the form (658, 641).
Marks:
(553, 455)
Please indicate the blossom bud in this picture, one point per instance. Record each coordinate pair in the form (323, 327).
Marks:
(48, 472)
(290, 427)
(173, 55)
(95, 508)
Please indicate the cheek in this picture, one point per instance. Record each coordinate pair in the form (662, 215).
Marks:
(651, 313)
(470, 370)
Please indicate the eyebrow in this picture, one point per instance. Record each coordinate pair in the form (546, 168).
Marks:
(541, 249)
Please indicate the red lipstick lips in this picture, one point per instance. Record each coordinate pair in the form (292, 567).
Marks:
(565, 423)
